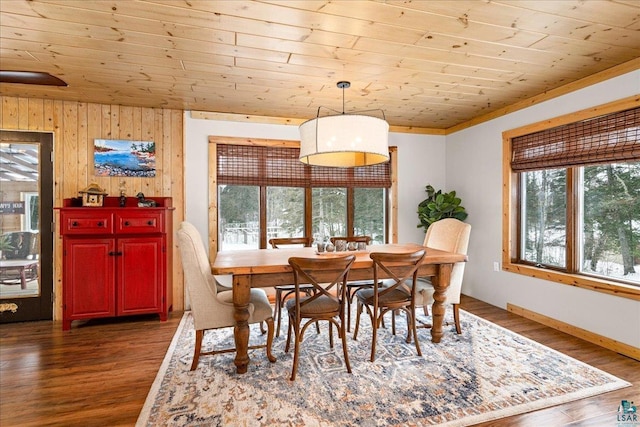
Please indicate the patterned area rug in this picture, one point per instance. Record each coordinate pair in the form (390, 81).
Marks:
(486, 373)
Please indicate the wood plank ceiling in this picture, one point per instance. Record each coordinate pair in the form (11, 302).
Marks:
(426, 64)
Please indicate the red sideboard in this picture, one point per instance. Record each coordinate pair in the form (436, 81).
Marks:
(117, 261)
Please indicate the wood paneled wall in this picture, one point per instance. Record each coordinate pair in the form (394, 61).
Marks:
(75, 125)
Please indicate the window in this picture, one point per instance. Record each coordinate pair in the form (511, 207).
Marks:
(31, 211)
(573, 201)
(239, 209)
(329, 212)
(264, 191)
(285, 212)
(369, 217)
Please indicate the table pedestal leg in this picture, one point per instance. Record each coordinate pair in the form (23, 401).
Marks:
(241, 296)
(440, 284)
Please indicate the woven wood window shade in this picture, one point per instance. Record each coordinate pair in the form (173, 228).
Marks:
(280, 167)
(609, 138)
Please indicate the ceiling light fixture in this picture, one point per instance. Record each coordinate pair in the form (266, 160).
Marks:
(344, 140)
(30, 78)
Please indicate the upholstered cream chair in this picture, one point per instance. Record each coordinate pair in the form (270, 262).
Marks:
(450, 235)
(210, 308)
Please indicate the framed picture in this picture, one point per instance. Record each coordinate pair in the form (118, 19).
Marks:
(117, 157)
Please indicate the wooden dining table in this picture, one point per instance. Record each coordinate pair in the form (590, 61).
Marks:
(262, 268)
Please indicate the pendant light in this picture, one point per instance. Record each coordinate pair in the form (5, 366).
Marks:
(344, 140)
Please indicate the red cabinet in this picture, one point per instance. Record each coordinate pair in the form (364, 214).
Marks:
(116, 261)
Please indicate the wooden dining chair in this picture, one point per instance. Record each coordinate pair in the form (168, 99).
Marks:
(353, 286)
(284, 291)
(210, 308)
(326, 303)
(398, 293)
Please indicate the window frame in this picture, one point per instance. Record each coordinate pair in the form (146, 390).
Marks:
(213, 243)
(511, 201)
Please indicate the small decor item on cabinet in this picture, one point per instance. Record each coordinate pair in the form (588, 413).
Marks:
(123, 196)
(92, 195)
(145, 203)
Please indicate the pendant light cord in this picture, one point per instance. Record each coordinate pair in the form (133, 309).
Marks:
(343, 85)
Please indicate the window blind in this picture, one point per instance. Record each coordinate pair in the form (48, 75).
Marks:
(610, 138)
(280, 167)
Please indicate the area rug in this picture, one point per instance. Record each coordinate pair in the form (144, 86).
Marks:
(483, 374)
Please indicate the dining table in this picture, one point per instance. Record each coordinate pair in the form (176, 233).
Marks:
(262, 268)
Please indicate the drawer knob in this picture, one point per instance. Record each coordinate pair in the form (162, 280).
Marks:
(74, 224)
(100, 223)
(126, 223)
(149, 222)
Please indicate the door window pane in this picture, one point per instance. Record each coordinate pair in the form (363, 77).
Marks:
(285, 212)
(544, 217)
(19, 220)
(610, 243)
(329, 212)
(369, 213)
(239, 217)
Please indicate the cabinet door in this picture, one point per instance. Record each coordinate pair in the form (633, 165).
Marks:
(89, 273)
(140, 277)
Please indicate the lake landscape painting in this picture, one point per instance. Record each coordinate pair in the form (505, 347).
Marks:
(117, 157)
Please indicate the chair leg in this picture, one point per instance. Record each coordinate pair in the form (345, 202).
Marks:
(393, 322)
(330, 333)
(198, 347)
(409, 328)
(456, 317)
(277, 311)
(375, 323)
(349, 302)
(358, 313)
(411, 323)
(286, 347)
(343, 333)
(270, 328)
(309, 293)
(296, 348)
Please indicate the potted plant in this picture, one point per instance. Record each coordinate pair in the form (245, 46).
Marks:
(439, 205)
(5, 244)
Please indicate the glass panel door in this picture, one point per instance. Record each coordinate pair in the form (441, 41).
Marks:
(25, 286)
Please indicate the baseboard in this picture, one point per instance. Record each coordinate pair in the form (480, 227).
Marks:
(608, 343)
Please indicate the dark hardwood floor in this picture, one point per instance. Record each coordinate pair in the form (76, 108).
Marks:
(99, 373)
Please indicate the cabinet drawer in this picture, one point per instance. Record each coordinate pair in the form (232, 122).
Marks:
(139, 223)
(76, 223)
